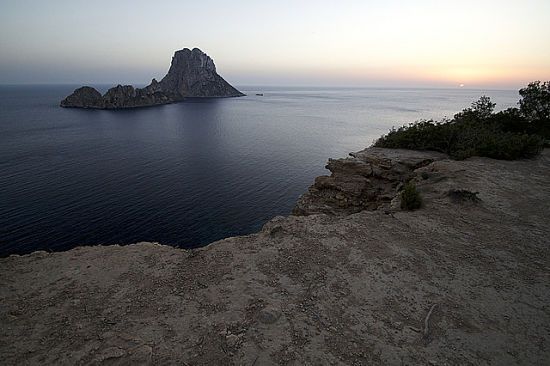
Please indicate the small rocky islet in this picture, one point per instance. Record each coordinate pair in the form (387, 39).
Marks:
(192, 73)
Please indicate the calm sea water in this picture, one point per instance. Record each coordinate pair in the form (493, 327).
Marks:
(183, 174)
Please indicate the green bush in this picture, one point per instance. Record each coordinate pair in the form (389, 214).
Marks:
(477, 131)
(410, 197)
(535, 102)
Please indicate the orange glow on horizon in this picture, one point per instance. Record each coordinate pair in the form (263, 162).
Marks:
(326, 42)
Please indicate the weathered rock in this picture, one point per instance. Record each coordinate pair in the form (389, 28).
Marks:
(232, 340)
(458, 195)
(110, 353)
(84, 97)
(269, 315)
(368, 180)
(192, 74)
(120, 97)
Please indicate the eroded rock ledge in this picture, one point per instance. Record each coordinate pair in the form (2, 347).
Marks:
(368, 180)
(344, 289)
(192, 73)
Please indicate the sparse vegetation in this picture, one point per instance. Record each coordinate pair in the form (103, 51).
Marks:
(478, 131)
(463, 195)
(410, 197)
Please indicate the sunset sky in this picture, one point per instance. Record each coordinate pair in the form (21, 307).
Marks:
(500, 44)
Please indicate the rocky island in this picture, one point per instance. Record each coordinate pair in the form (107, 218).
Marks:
(349, 279)
(192, 73)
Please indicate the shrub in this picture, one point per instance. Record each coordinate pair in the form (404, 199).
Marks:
(477, 131)
(535, 102)
(507, 145)
(421, 135)
(480, 109)
(410, 197)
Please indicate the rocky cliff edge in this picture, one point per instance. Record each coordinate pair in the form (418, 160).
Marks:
(351, 280)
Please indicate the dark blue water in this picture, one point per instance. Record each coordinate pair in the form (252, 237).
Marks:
(183, 174)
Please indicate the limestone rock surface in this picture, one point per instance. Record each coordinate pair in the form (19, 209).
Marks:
(367, 180)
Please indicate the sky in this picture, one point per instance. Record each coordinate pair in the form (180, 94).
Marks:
(423, 43)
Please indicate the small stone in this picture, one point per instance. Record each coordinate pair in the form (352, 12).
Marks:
(141, 355)
(269, 315)
(387, 268)
(111, 352)
(232, 340)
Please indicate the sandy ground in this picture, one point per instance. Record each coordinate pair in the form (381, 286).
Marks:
(454, 283)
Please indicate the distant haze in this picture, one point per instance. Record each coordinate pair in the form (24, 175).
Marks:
(487, 44)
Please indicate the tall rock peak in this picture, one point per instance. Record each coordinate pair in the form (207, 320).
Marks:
(192, 73)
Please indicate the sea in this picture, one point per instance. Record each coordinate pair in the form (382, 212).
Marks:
(184, 174)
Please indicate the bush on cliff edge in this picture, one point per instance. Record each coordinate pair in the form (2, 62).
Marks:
(410, 197)
(478, 131)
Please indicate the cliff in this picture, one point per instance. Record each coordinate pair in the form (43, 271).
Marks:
(368, 180)
(192, 73)
(352, 280)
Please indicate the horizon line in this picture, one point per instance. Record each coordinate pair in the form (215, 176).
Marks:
(328, 86)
